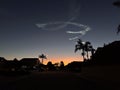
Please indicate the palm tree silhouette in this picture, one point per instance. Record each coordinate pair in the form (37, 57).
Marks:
(92, 51)
(118, 29)
(89, 48)
(80, 46)
(42, 56)
(86, 47)
(117, 4)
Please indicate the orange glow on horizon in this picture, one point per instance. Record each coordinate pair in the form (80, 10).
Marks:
(66, 60)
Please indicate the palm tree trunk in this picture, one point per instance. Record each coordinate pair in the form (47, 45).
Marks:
(83, 54)
(83, 57)
(42, 60)
(87, 55)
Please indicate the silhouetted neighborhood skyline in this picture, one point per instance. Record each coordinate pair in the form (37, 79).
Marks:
(106, 55)
(52, 27)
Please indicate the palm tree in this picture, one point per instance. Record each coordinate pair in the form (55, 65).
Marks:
(42, 56)
(92, 51)
(80, 46)
(118, 29)
(117, 4)
(87, 46)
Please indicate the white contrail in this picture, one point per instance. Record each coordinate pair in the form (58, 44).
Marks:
(54, 26)
(59, 25)
(74, 38)
(41, 25)
(74, 9)
(73, 14)
(76, 32)
(82, 32)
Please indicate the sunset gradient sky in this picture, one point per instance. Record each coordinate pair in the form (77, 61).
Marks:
(30, 28)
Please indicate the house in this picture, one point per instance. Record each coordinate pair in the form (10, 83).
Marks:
(29, 63)
(2, 59)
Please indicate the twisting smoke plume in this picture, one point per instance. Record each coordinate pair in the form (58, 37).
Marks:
(52, 26)
(79, 33)
(74, 9)
(61, 25)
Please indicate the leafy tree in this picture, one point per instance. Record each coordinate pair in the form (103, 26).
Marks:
(61, 65)
(50, 66)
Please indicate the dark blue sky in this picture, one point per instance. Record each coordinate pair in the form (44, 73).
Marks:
(21, 37)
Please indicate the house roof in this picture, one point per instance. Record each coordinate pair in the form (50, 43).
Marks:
(29, 59)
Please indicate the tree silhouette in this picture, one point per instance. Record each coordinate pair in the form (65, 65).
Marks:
(61, 65)
(42, 56)
(15, 59)
(85, 47)
(117, 4)
(92, 51)
(80, 46)
(118, 29)
(50, 66)
(89, 48)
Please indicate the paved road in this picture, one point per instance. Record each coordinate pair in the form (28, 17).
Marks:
(48, 80)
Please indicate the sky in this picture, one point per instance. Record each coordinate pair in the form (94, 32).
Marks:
(30, 28)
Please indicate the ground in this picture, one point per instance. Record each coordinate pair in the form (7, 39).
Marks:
(106, 75)
(92, 78)
(45, 80)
